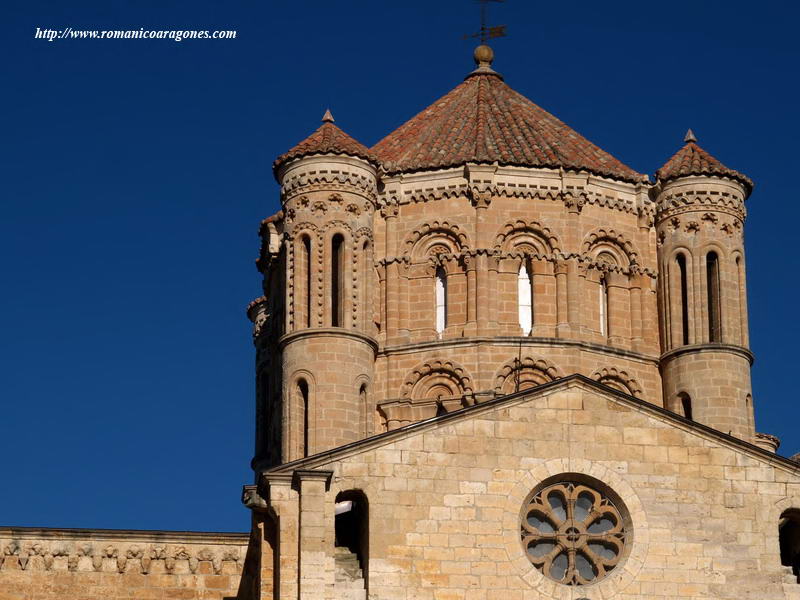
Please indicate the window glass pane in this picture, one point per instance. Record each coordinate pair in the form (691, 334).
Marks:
(558, 505)
(541, 549)
(559, 567)
(603, 551)
(540, 524)
(601, 525)
(441, 300)
(585, 568)
(524, 299)
(582, 506)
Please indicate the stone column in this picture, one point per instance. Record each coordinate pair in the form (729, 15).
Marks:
(472, 295)
(574, 300)
(562, 306)
(403, 320)
(315, 578)
(619, 304)
(481, 200)
(284, 502)
(545, 299)
(483, 296)
(636, 310)
(389, 213)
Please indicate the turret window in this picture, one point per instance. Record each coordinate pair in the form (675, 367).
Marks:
(303, 409)
(440, 292)
(525, 298)
(304, 295)
(337, 280)
(686, 405)
(714, 309)
(680, 260)
(364, 409)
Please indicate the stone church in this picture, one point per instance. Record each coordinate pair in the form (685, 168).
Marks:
(492, 362)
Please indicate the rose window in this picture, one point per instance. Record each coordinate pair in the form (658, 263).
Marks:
(572, 533)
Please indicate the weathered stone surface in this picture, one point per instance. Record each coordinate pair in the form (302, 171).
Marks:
(85, 564)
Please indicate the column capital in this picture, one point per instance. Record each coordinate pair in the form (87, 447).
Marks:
(303, 475)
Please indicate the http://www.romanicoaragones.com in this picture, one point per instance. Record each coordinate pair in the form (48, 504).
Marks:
(178, 35)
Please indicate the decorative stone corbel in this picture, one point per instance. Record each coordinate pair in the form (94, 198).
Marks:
(390, 208)
(574, 203)
(252, 499)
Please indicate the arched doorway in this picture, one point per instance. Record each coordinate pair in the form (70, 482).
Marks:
(789, 537)
(352, 538)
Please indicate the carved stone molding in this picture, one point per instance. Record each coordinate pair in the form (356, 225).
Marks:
(619, 380)
(68, 552)
(447, 374)
(343, 180)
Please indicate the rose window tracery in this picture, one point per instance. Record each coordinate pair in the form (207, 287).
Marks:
(572, 533)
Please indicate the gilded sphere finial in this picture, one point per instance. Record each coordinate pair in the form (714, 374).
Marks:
(483, 56)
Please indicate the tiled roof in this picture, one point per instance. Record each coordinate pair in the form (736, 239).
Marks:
(693, 160)
(328, 139)
(483, 120)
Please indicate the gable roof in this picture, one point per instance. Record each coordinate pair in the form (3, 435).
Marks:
(327, 139)
(691, 159)
(483, 120)
(468, 412)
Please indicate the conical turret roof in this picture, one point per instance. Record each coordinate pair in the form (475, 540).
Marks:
(483, 120)
(691, 159)
(327, 139)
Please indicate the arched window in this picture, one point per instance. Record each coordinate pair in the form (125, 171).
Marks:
(525, 298)
(680, 260)
(686, 405)
(604, 321)
(351, 529)
(789, 539)
(712, 284)
(441, 300)
(303, 409)
(337, 280)
(303, 286)
(364, 408)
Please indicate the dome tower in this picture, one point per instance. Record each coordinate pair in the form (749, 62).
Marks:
(706, 359)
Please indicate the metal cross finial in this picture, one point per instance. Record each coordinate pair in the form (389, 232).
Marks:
(486, 33)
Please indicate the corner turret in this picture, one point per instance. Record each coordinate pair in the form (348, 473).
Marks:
(326, 349)
(705, 362)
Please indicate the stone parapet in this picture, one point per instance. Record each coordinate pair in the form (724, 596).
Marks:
(109, 564)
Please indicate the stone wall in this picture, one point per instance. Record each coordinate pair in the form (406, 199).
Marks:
(446, 498)
(86, 564)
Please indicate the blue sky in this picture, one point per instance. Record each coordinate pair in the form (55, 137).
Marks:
(134, 174)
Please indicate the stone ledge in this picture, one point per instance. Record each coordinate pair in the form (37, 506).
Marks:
(122, 551)
(516, 342)
(153, 535)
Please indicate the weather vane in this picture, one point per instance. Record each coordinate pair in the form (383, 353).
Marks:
(487, 33)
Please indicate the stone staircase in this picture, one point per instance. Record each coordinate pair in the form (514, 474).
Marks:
(788, 575)
(350, 584)
(791, 588)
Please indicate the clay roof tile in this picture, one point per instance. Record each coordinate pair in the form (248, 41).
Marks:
(691, 159)
(327, 139)
(483, 120)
